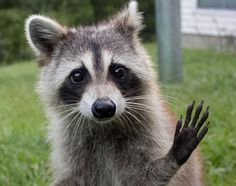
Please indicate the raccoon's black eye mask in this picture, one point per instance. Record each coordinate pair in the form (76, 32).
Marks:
(118, 71)
(75, 84)
(126, 80)
(73, 87)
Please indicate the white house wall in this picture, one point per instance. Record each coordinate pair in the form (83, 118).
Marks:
(207, 22)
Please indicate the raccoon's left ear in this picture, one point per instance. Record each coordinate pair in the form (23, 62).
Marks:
(129, 21)
(43, 34)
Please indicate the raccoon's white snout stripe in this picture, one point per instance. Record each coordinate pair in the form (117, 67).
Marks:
(87, 59)
(106, 59)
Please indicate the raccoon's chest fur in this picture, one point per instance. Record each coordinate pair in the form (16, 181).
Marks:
(109, 158)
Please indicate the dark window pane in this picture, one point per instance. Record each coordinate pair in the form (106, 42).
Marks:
(230, 4)
(211, 3)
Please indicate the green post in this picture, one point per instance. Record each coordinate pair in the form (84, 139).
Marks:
(168, 29)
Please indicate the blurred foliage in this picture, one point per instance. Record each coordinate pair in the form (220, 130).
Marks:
(13, 46)
(12, 41)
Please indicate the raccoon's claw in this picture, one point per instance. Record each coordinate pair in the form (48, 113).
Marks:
(188, 137)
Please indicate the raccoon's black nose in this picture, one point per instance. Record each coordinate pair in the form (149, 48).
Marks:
(103, 108)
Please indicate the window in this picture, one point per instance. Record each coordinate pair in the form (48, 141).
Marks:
(217, 4)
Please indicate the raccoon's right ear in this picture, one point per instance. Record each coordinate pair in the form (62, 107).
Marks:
(129, 21)
(43, 34)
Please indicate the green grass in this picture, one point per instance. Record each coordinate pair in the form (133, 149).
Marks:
(23, 151)
(208, 75)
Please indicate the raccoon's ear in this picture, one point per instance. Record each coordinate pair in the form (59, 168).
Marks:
(129, 21)
(43, 34)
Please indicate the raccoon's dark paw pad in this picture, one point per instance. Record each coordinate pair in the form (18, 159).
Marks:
(189, 136)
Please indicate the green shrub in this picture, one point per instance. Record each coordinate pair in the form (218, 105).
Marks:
(12, 41)
(13, 46)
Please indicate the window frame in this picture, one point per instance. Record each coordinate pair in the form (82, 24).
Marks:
(214, 8)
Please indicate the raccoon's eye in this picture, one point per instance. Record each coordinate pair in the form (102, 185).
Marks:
(119, 72)
(77, 76)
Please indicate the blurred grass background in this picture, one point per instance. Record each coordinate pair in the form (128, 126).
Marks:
(208, 75)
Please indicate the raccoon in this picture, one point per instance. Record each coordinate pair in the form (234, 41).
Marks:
(109, 125)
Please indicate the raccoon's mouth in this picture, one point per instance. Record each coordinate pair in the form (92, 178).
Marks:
(103, 120)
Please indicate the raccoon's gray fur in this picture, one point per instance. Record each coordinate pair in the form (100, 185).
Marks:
(106, 61)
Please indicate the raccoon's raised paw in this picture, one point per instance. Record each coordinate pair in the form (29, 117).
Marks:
(188, 136)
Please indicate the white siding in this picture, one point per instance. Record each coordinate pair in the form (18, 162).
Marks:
(207, 21)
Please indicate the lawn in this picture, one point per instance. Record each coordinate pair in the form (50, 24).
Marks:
(208, 75)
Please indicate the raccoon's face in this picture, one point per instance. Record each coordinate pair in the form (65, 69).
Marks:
(94, 71)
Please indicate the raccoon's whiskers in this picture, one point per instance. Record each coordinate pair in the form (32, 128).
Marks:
(125, 124)
(79, 122)
(65, 111)
(68, 125)
(66, 105)
(172, 99)
(138, 122)
(140, 109)
(126, 113)
(68, 115)
(143, 122)
(169, 79)
(137, 98)
(176, 103)
(140, 106)
(133, 91)
(120, 121)
(135, 118)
